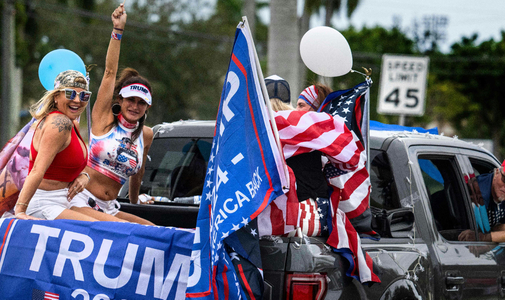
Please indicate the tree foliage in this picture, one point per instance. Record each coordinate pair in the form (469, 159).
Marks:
(183, 48)
(183, 53)
(479, 71)
(367, 46)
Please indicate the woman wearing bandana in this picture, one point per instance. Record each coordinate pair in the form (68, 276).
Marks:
(119, 141)
(308, 169)
(311, 97)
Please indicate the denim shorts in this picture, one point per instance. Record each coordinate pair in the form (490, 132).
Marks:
(82, 199)
(48, 204)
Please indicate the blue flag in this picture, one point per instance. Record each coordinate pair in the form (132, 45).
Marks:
(245, 173)
(66, 259)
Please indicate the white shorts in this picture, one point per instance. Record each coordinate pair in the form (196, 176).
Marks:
(82, 199)
(48, 204)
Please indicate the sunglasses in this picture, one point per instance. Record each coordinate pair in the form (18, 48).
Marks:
(83, 95)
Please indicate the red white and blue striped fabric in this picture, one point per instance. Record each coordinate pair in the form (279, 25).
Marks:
(352, 189)
(302, 132)
(281, 216)
(309, 95)
(347, 242)
(310, 218)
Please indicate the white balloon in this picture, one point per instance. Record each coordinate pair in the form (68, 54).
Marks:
(325, 51)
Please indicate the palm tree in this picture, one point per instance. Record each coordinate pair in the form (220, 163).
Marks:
(249, 10)
(332, 7)
(284, 43)
(280, 58)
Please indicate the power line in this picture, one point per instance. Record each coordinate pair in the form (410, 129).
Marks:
(61, 9)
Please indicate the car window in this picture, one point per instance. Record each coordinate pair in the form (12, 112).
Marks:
(383, 194)
(177, 167)
(442, 181)
(481, 166)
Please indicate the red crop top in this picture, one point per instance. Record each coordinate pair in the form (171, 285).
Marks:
(68, 163)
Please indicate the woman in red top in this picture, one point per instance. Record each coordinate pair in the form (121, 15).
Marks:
(58, 154)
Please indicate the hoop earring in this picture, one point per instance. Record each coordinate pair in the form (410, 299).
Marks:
(116, 109)
(143, 118)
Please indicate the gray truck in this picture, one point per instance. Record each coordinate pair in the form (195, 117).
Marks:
(420, 204)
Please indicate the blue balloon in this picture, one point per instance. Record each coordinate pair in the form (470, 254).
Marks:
(56, 62)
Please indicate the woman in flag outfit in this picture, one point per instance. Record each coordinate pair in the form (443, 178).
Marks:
(119, 141)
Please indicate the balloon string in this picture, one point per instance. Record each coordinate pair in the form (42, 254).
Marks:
(354, 71)
(367, 73)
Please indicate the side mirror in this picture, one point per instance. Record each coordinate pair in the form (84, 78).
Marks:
(393, 223)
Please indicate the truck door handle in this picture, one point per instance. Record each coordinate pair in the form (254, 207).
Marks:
(453, 283)
(454, 280)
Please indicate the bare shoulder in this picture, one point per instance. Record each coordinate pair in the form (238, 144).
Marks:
(148, 135)
(59, 123)
(148, 131)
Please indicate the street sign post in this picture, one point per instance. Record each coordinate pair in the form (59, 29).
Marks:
(402, 89)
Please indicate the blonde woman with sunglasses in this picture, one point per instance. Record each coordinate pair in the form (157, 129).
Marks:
(119, 141)
(58, 153)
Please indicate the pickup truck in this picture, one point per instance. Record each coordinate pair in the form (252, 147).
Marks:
(419, 200)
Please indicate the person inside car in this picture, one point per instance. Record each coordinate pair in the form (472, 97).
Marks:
(491, 188)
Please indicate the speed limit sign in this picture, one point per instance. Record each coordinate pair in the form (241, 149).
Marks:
(402, 88)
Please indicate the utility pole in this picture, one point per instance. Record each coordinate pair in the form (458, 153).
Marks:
(8, 116)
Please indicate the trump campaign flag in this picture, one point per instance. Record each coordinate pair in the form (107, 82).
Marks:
(68, 259)
(245, 173)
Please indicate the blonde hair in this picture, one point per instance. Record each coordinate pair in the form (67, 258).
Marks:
(278, 104)
(45, 105)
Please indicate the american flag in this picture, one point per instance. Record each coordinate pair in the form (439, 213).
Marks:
(302, 132)
(133, 163)
(351, 190)
(349, 198)
(42, 295)
(281, 216)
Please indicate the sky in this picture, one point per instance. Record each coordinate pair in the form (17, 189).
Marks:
(465, 17)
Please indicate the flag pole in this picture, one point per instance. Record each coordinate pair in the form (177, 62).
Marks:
(367, 97)
(245, 24)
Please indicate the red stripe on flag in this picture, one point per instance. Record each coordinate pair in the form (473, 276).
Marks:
(244, 280)
(225, 281)
(354, 182)
(310, 231)
(51, 296)
(275, 219)
(357, 113)
(353, 244)
(361, 208)
(270, 190)
(5, 235)
(214, 286)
